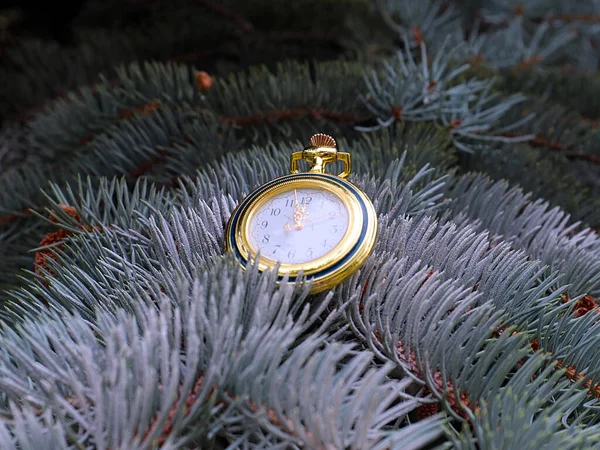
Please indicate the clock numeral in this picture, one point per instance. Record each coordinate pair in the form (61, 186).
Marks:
(264, 224)
(334, 229)
(291, 254)
(276, 248)
(309, 252)
(303, 201)
(325, 243)
(275, 211)
(265, 239)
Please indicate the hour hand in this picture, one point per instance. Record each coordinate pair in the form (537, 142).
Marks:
(297, 222)
(299, 217)
(287, 226)
(300, 213)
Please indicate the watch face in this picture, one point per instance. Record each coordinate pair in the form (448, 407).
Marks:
(298, 225)
(317, 224)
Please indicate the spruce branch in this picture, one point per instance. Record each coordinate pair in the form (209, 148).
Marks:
(419, 21)
(543, 232)
(514, 47)
(116, 223)
(423, 144)
(570, 252)
(113, 154)
(479, 299)
(468, 109)
(40, 71)
(303, 112)
(534, 405)
(531, 297)
(11, 138)
(391, 316)
(222, 400)
(370, 288)
(498, 11)
(537, 141)
(558, 164)
(33, 430)
(289, 90)
(570, 339)
(89, 124)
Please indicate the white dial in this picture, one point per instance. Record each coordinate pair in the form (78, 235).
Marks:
(299, 225)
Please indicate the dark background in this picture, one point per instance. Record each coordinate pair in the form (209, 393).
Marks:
(72, 56)
(45, 20)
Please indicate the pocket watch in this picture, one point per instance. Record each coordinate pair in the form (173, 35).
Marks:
(315, 223)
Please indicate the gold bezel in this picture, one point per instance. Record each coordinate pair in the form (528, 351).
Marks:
(343, 247)
(359, 238)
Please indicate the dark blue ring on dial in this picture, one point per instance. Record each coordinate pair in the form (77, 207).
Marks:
(329, 178)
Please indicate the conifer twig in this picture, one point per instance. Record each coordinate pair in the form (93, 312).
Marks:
(302, 112)
(556, 146)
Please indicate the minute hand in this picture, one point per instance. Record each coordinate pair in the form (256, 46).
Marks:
(300, 213)
(327, 216)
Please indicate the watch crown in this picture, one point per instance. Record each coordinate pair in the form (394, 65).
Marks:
(322, 140)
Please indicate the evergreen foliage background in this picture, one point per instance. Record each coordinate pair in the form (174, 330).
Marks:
(131, 132)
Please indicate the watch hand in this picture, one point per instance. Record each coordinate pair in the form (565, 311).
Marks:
(326, 216)
(299, 213)
(298, 217)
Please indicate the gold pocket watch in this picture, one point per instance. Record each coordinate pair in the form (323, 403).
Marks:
(314, 222)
